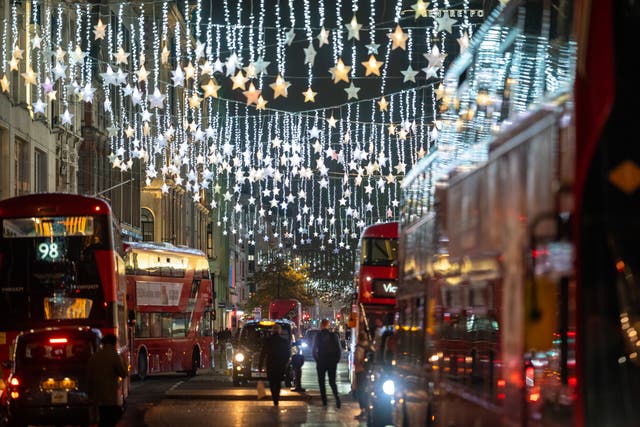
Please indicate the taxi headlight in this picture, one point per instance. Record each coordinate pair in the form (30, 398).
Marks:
(388, 387)
(239, 357)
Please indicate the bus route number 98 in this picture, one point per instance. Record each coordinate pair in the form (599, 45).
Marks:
(48, 251)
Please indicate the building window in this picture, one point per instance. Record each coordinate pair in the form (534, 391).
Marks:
(146, 223)
(39, 171)
(21, 165)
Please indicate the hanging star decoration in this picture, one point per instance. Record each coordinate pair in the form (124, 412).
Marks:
(211, 89)
(261, 103)
(383, 104)
(398, 38)
(340, 72)
(332, 121)
(29, 76)
(372, 66)
(290, 36)
(239, 81)
(99, 30)
(280, 87)
(252, 94)
(66, 117)
(164, 56)
(121, 56)
(353, 29)
(309, 95)
(35, 42)
(309, 54)
(372, 48)
(195, 100)
(435, 58)
(189, 71)
(445, 22)
(323, 37)
(142, 74)
(352, 91)
(39, 106)
(4, 82)
(409, 74)
(420, 9)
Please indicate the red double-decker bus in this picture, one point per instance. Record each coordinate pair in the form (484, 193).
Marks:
(59, 268)
(171, 299)
(518, 294)
(376, 277)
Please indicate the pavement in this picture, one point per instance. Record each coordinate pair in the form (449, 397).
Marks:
(218, 385)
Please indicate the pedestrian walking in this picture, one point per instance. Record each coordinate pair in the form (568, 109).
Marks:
(276, 352)
(363, 349)
(297, 360)
(104, 373)
(326, 352)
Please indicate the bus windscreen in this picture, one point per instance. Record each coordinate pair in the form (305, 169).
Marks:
(48, 269)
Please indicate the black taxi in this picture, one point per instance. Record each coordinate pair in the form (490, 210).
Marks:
(48, 377)
(248, 345)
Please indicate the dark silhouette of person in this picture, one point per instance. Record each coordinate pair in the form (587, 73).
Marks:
(363, 349)
(276, 350)
(297, 360)
(326, 352)
(104, 372)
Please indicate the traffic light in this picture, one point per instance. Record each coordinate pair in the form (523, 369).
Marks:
(338, 316)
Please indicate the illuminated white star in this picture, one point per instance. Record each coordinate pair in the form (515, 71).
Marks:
(353, 29)
(66, 117)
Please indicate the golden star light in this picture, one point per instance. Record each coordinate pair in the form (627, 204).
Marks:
(4, 83)
(121, 56)
(164, 56)
(398, 38)
(383, 104)
(261, 103)
(280, 87)
(420, 8)
(29, 76)
(252, 94)
(372, 66)
(211, 89)
(340, 72)
(195, 100)
(309, 95)
(142, 74)
(239, 80)
(99, 30)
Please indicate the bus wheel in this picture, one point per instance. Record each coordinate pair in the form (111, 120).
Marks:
(195, 363)
(142, 365)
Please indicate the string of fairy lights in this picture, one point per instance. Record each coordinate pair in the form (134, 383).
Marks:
(294, 121)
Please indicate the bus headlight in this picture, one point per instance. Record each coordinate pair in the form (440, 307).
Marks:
(239, 357)
(388, 387)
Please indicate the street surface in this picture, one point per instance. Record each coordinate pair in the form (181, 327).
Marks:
(210, 399)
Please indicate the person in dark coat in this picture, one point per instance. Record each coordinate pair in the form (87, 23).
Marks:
(104, 373)
(276, 350)
(326, 352)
